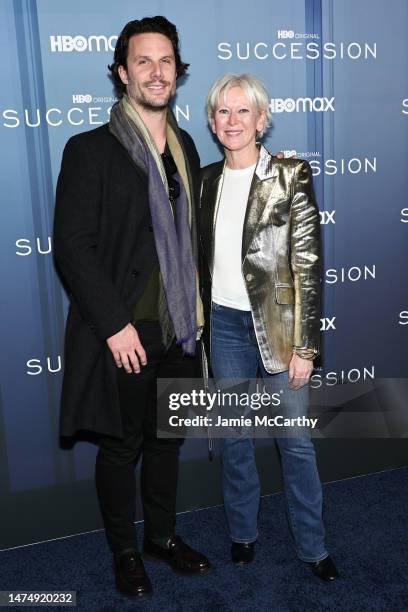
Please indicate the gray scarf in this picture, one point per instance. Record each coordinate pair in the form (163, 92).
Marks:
(172, 235)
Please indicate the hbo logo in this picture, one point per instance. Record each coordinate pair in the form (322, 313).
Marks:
(286, 34)
(81, 99)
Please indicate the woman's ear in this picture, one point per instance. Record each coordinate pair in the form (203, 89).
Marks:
(260, 124)
(212, 124)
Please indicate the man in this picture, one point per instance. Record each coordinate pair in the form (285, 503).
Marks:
(125, 242)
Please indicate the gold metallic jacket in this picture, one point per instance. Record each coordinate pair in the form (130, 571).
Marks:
(280, 255)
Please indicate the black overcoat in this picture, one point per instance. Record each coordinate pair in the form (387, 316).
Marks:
(104, 248)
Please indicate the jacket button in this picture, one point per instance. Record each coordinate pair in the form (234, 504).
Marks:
(249, 277)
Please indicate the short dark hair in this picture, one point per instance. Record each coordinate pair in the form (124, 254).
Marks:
(156, 25)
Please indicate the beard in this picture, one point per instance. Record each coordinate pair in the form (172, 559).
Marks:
(150, 102)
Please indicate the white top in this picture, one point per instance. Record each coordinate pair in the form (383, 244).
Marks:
(228, 287)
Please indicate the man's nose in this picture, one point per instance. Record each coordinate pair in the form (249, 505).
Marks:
(156, 70)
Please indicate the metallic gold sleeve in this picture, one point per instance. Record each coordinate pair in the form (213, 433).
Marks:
(305, 259)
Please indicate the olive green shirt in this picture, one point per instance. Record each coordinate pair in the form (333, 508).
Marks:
(147, 307)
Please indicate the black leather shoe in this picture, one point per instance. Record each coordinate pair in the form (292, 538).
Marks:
(242, 553)
(181, 558)
(131, 577)
(325, 569)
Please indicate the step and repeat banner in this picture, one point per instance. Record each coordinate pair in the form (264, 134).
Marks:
(337, 75)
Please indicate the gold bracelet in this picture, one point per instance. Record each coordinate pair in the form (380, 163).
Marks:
(305, 353)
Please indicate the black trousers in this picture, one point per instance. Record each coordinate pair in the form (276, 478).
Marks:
(117, 458)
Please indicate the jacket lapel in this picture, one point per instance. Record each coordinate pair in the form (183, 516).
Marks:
(263, 183)
(210, 197)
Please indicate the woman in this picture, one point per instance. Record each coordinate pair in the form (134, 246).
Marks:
(260, 270)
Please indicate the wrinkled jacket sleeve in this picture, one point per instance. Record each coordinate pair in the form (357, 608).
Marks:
(76, 230)
(305, 257)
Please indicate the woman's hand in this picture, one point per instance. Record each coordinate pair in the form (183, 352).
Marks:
(300, 371)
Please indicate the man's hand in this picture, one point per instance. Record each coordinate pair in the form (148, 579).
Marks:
(127, 349)
(300, 371)
(281, 155)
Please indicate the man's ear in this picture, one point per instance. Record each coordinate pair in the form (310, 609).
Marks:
(123, 75)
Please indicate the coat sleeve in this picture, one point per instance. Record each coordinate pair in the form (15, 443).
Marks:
(305, 259)
(76, 225)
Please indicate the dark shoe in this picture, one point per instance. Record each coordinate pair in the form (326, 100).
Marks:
(181, 558)
(325, 569)
(131, 577)
(242, 553)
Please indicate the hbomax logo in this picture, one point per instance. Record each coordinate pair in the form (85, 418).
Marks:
(62, 43)
(301, 105)
(327, 323)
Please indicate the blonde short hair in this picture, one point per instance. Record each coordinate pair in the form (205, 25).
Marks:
(253, 88)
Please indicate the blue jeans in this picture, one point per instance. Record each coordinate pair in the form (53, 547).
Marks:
(235, 354)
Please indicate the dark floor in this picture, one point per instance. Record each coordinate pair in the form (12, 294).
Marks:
(366, 521)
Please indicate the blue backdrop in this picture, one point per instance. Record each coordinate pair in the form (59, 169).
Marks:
(337, 74)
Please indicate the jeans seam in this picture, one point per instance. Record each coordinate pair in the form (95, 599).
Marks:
(316, 560)
(291, 516)
(245, 540)
(295, 531)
